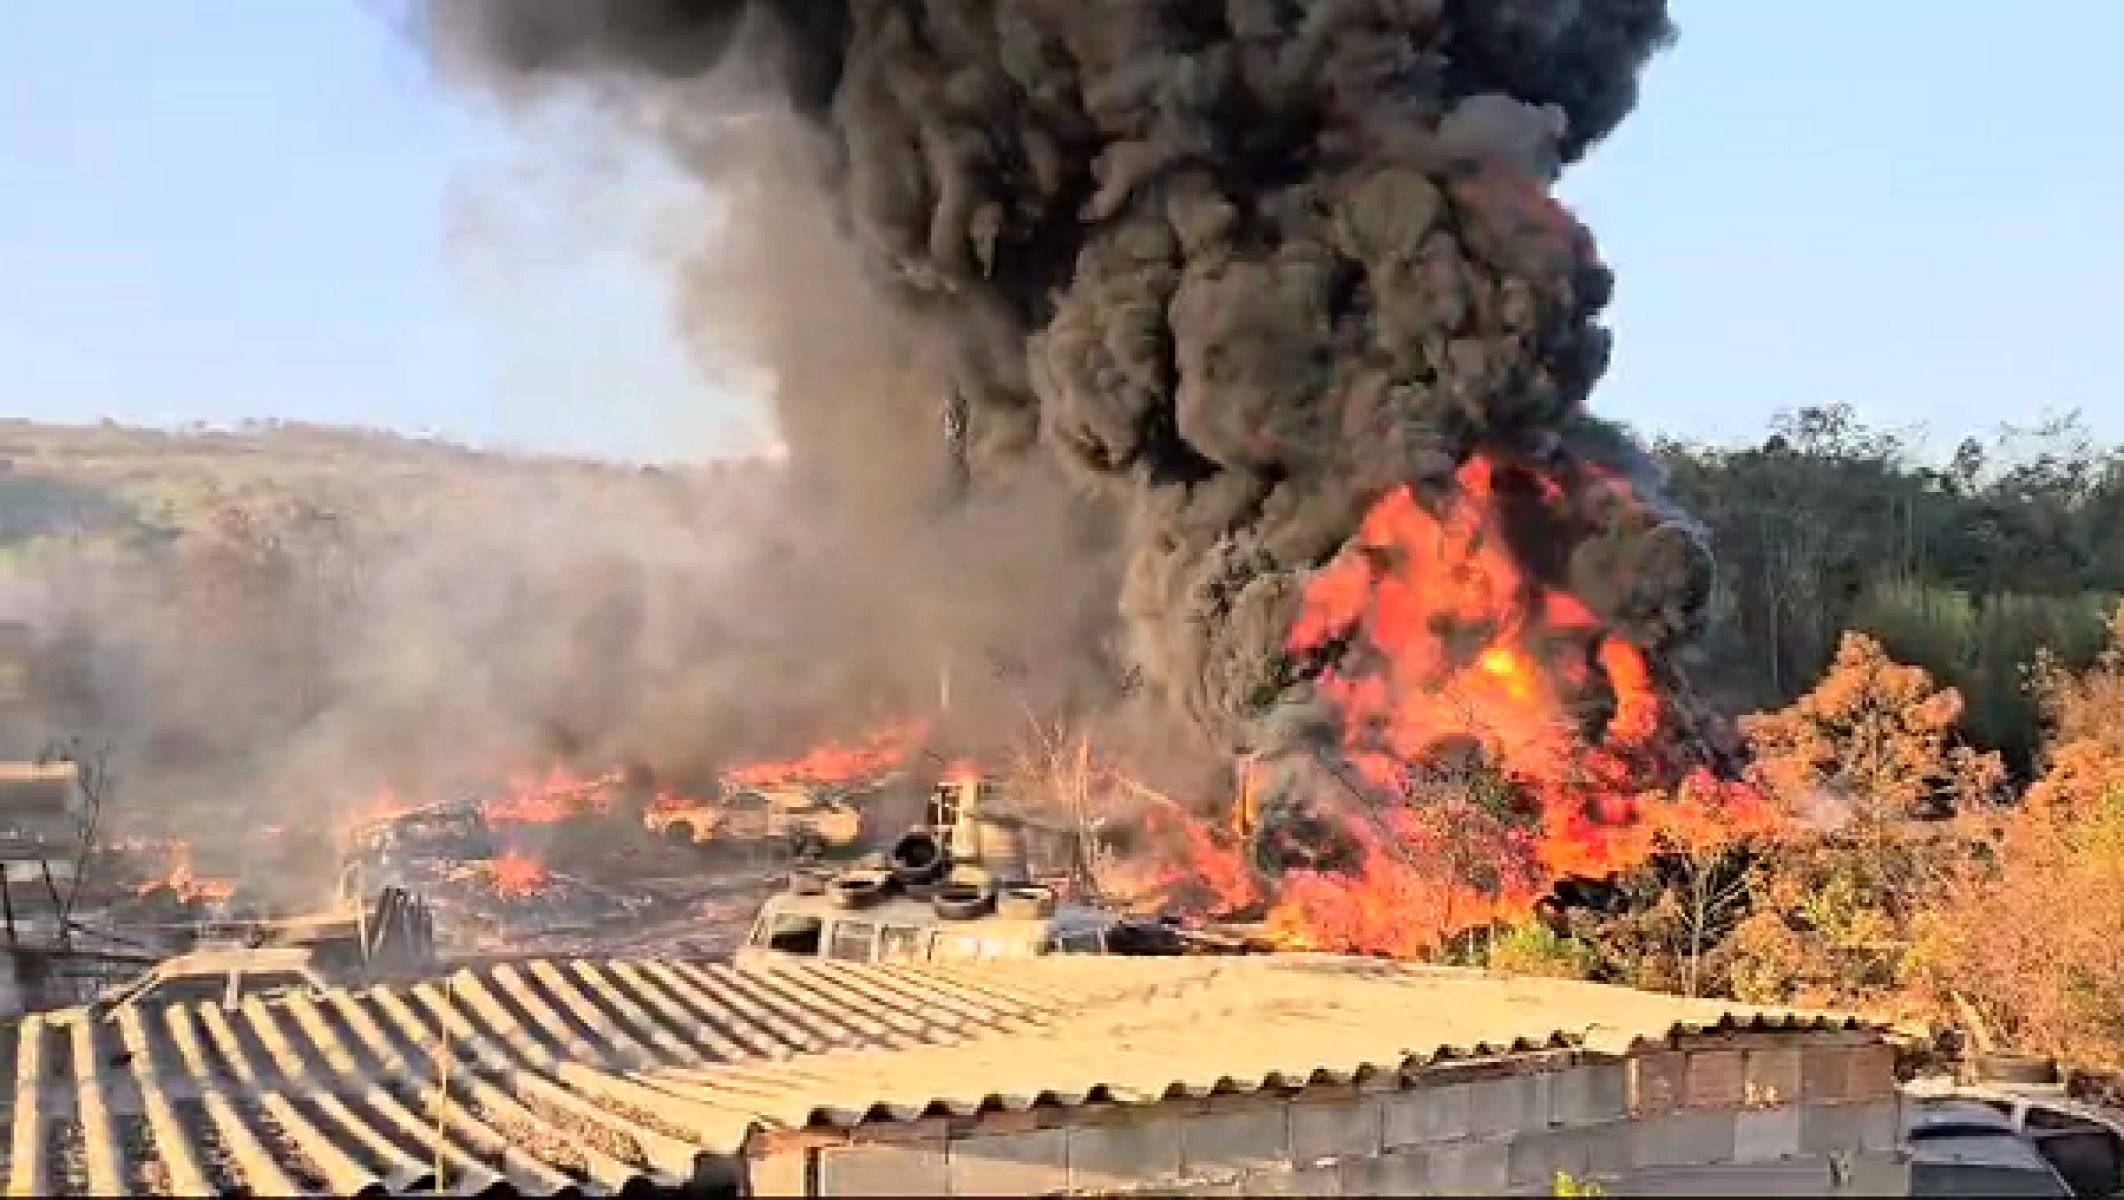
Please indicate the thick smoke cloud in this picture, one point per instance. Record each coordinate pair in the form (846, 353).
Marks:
(1235, 268)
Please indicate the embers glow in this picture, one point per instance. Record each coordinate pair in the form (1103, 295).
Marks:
(517, 876)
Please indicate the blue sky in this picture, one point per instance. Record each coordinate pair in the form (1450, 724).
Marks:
(218, 209)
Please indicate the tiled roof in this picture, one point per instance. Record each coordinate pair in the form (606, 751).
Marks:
(562, 1074)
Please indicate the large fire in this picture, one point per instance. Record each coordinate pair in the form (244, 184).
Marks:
(1497, 740)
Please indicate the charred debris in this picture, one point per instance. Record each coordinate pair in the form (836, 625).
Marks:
(768, 873)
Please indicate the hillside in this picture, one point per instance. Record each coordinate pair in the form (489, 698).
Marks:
(116, 480)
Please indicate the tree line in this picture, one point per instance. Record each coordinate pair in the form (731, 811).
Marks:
(1964, 566)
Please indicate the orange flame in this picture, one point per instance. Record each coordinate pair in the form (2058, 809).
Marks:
(961, 770)
(836, 763)
(558, 794)
(1461, 647)
(517, 876)
(180, 878)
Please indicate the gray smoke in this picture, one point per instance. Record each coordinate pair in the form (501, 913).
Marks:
(1232, 268)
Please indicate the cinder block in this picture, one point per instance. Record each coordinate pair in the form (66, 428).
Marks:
(1851, 1128)
(1825, 1074)
(1883, 1124)
(1796, 1177)
(1235, 1141)
(1508, 1105)
(1430, 1114)
(1537, 1157)
(1589, 1095)
(1295, 1181)
(1609, 1148)
(884, 1169)
(1342, 1129)
(1656, 1082)
(1880, 1173)
(1395, 1173)
(779, 1174)
(1683, 1139)
(1713, 1079)
(1766, 1134)
(1032, 1163)
(1119, 1157)
(1870, 1073)
(1581, 1151)
(1771, 1077)
(1464, 1168)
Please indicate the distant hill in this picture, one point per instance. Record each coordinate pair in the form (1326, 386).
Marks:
(122, 481)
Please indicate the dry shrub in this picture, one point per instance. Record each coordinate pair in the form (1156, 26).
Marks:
(1059, 778)
(1532, 948)
(2083, 718)
(2030, 932)
(1873, 741)
(1880, 794)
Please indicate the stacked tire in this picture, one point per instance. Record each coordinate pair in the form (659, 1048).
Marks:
(917, 867)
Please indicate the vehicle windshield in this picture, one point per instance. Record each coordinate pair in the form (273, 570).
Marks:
(266, 983)
(1077, 941)
(790, 933)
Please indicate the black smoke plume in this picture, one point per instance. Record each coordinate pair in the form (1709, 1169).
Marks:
(1239, 266)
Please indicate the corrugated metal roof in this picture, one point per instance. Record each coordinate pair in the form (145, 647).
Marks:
(551, 1075)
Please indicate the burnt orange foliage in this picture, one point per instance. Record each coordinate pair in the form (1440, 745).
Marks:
(2083, 715)
(2028, 932)
(1873, 738)
(1867, 763)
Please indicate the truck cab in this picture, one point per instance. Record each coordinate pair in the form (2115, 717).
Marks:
(796, 927)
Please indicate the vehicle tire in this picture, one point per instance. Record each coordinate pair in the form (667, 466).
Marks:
(963, 901)
(858, 889)
(681, 833)
(2013, 1068)
(1026, 901)
(803, 883)
(917, 857)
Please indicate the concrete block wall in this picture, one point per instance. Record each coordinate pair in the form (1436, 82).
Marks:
(1780, 1115)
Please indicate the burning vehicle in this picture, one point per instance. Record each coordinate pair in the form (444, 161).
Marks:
(811, 806)
(809, 820)
(412, 849)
